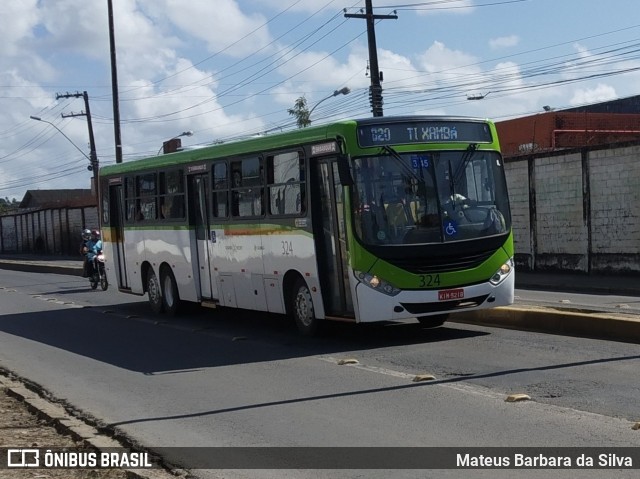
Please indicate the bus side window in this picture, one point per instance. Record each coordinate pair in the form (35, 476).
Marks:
(147, 199)
(130, 202)
(285, 181)
(172, 195)
(248, 186)
(220, 190)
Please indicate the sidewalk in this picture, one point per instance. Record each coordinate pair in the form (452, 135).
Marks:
(42, 264)
(579, 283)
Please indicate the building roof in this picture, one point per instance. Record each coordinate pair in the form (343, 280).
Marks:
(629, 104)
(43, 199)
(603, 123)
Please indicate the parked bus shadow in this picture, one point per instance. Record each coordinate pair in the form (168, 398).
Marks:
(128, 336)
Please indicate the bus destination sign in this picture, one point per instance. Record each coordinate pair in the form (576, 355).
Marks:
(440, 131)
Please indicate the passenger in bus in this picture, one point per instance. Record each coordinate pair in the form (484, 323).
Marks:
(165, 208)
(399, 215)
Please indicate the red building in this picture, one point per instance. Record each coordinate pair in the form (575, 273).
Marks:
(555, 130)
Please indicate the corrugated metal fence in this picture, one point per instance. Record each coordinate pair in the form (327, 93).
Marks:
(46, 231)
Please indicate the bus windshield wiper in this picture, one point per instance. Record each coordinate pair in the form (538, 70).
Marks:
(401, 162)
(452, 186)
(464, 161)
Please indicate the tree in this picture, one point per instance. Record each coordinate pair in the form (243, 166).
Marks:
(7, 205)
(301, 112)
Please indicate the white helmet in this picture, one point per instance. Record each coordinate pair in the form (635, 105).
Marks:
(86, 234)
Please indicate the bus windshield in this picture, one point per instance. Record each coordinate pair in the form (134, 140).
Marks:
(429, 197)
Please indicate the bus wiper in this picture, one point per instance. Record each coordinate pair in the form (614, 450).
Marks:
(401, 162)
(452, 186)
(464, 161)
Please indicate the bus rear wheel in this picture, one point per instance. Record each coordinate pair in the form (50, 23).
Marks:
(433, 321)
(155, 292)
(302, 309)
(170, 295)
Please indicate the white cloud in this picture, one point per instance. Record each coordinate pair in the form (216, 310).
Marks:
(444, 63)
(504, 42)
(597, 94)
(321, 72)
(221, 24)
(19, 21)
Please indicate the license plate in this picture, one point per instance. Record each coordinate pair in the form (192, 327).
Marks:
(449, 294)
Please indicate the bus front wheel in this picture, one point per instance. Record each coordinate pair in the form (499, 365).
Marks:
(433, 321)
(302, 309)
(155, 292)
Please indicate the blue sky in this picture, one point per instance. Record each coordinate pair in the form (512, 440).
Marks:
(231, 68)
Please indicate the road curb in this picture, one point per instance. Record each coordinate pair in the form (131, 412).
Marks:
(33, 267)
(590, 324)
(55, 415)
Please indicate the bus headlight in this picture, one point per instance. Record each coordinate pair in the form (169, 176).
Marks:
(377, 283)
(502, 273)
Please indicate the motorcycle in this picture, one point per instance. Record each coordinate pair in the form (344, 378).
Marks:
(99, 273)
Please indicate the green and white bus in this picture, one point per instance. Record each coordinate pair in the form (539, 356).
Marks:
(378, 219)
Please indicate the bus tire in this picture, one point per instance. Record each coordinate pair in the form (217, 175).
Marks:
(155, 292)
(433, 321)
(302, 309)
(170, 295)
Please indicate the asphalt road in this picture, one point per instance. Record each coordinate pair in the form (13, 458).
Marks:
(229, 378)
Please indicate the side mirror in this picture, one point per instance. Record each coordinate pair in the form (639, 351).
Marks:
(344, 172)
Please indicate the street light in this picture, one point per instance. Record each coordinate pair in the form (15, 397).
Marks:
(164, 144)
(93, 161)
(343, 91)
(37, 118)
(477, 96)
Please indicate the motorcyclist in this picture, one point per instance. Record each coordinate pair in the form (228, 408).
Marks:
(93, 247)
(86, 237)
(95, 236)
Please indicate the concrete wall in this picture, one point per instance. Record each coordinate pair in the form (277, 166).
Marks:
(51, 232)
(518, 183)
(577, 210)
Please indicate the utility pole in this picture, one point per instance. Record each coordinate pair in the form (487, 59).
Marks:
(375, 90)
(114, 85)
(93, 156)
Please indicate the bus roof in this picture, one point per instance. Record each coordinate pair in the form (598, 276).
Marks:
(268, 142)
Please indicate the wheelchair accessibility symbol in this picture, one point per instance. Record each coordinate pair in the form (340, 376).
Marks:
(450, 228)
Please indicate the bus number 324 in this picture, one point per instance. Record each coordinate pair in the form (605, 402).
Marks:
(429, 280)
(287, 248)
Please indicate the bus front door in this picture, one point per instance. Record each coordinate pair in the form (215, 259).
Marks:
(329, 233)
(116, 215)
(200, 237)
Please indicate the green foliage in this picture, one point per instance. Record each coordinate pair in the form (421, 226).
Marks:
(301, 112)
(7, 205)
